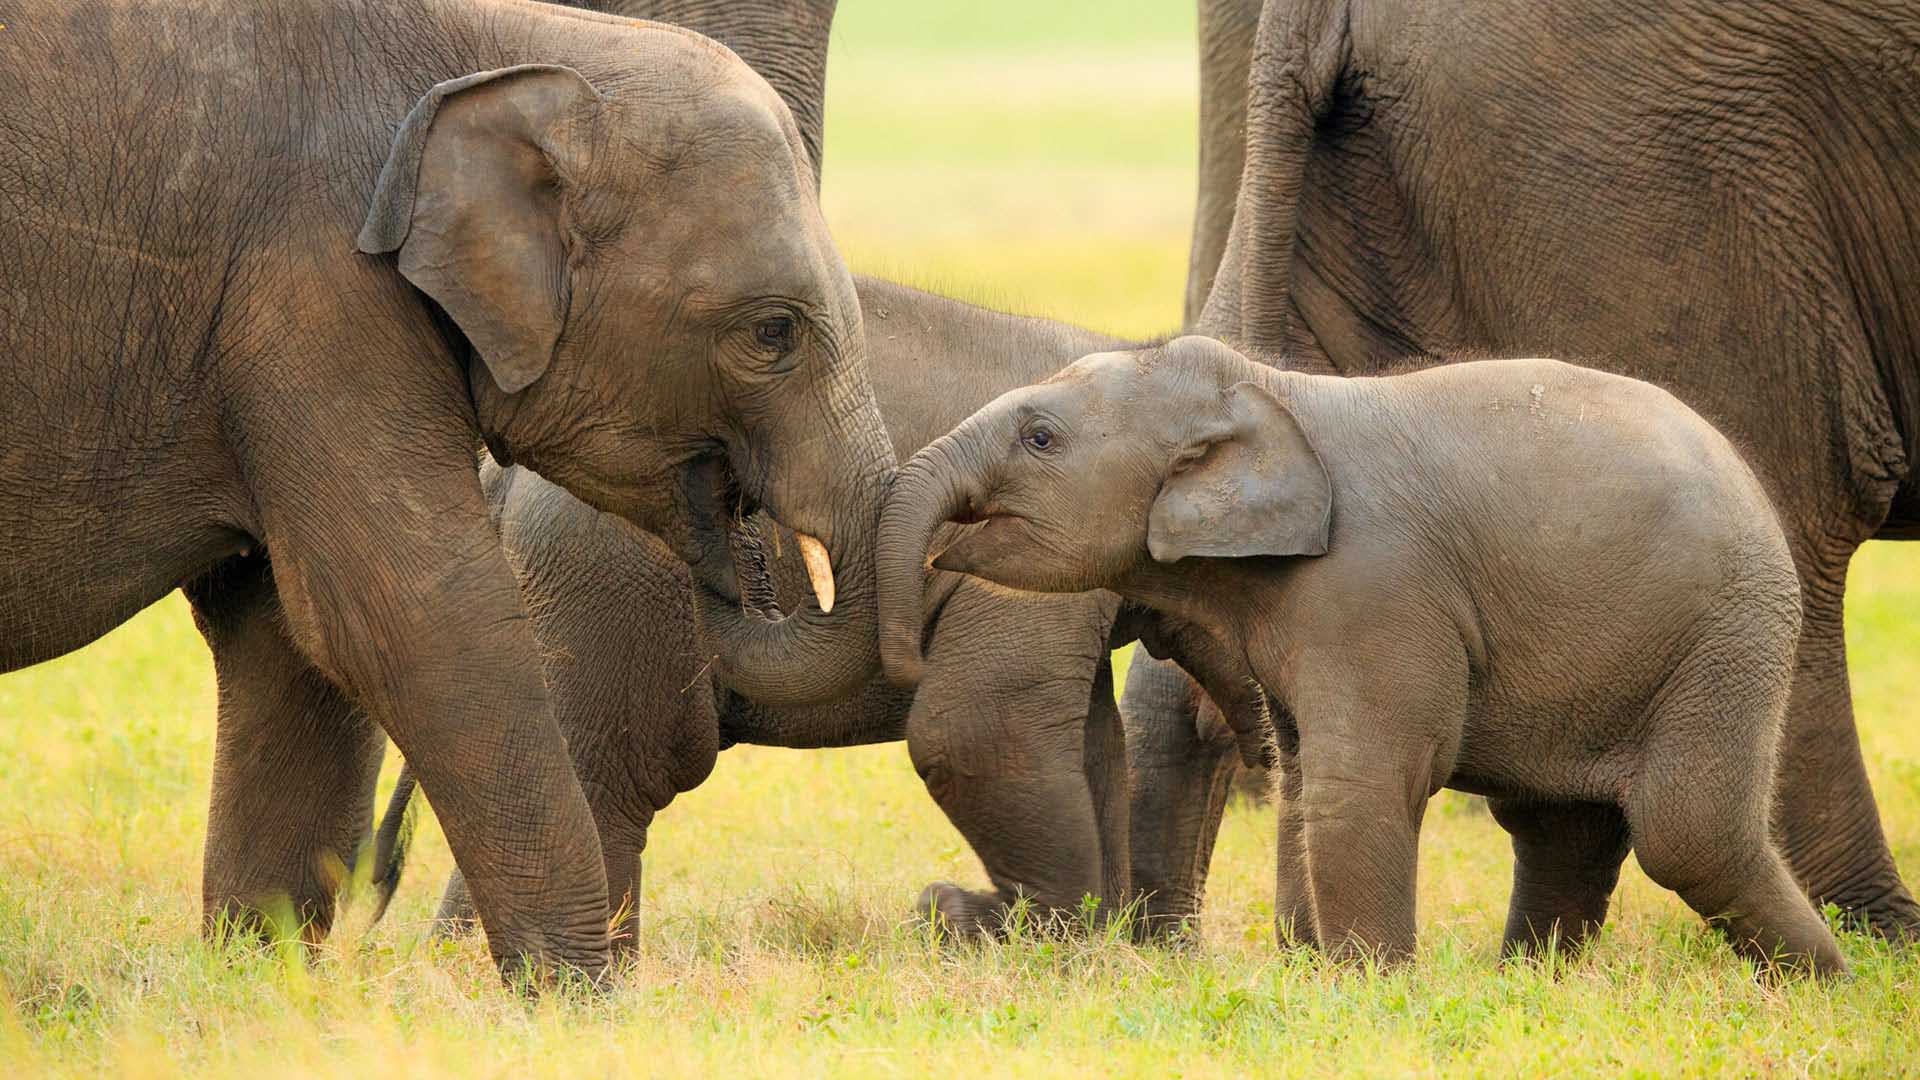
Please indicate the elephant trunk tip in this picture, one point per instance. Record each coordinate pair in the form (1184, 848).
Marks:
(902, 660)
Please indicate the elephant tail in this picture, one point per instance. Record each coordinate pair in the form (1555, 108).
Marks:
(391, 840)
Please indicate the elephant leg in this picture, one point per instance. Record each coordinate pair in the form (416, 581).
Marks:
(456, 915)
(1181, 759)
(1292, 899)
(613, 616)
(1732, 877)
(1371, 752)
(621, 846)
(1825, 816)
(998, 731)
(1566, 863)
(1697, 806)
(1105, 763)
(294, 767)
(395, 586)
(1363, 843)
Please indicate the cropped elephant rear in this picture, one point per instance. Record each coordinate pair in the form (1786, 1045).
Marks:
(1706, 196)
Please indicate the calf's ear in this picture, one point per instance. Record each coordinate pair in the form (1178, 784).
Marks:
(1253, 485)
(474, 198)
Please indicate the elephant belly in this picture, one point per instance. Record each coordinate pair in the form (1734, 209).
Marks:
(74, 570)
(1582, 747)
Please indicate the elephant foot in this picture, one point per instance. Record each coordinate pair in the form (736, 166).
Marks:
(966, 914)
(1892, 915)
(1168, 916)
(457, 917)
(1867, 890)
(268, 923)
(961, 913)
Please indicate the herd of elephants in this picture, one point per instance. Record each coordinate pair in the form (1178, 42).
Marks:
(272, 273)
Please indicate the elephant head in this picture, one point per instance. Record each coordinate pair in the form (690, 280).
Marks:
(657, 320)
(1096, 478)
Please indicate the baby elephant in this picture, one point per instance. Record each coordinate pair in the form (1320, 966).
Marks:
(1553, 586)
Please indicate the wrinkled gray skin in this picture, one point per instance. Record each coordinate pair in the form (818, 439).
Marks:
(208, 387)
(1033, 777)
(1546, 584)
(1015, 732)
(1711, 197)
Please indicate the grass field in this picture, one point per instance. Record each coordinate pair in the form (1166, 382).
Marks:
(994, 150)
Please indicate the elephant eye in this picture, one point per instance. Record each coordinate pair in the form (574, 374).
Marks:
(1039, 439)
(775, 333)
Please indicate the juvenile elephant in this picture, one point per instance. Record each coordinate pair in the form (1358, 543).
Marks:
(591, 243)
(1015, 733)
(1556, 587)
(1710, 197)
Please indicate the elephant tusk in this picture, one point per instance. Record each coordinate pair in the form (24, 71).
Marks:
(819, 569)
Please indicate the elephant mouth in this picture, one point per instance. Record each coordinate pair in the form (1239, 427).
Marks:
(733, 563)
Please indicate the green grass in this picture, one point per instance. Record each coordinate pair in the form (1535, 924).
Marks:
(994, 150)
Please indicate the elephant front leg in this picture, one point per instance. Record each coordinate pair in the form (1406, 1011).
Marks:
(1035, 834)
(1181, 760)
(622, 847)
(294, 768)
(1362, 846)
(395, 585)
(1371, 752)
(1292, 896)
(999, 730)
(1566, 863)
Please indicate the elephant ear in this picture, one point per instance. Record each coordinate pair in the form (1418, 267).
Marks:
(1255, 486)
(473, 198)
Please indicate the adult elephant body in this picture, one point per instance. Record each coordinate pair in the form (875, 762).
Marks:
(1713, 198)
(208, 386)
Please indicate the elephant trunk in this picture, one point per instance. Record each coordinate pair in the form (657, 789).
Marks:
(941, 482)
(820, 652)
(824, 648)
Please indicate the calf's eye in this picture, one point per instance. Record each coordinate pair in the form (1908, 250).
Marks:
(1040, 438)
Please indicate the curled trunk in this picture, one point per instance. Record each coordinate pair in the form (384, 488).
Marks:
(938, 484)
(804, 657)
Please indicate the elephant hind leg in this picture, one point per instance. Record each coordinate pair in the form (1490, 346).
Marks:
(294, 766)
(1566, 863)
(1697, 809)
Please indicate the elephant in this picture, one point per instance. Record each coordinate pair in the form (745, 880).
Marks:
(1036, 782)
(274, 272)
(1549, 585)
(1016, 734)
(1705, 198)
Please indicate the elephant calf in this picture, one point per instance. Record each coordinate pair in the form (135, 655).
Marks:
(1549, 585)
